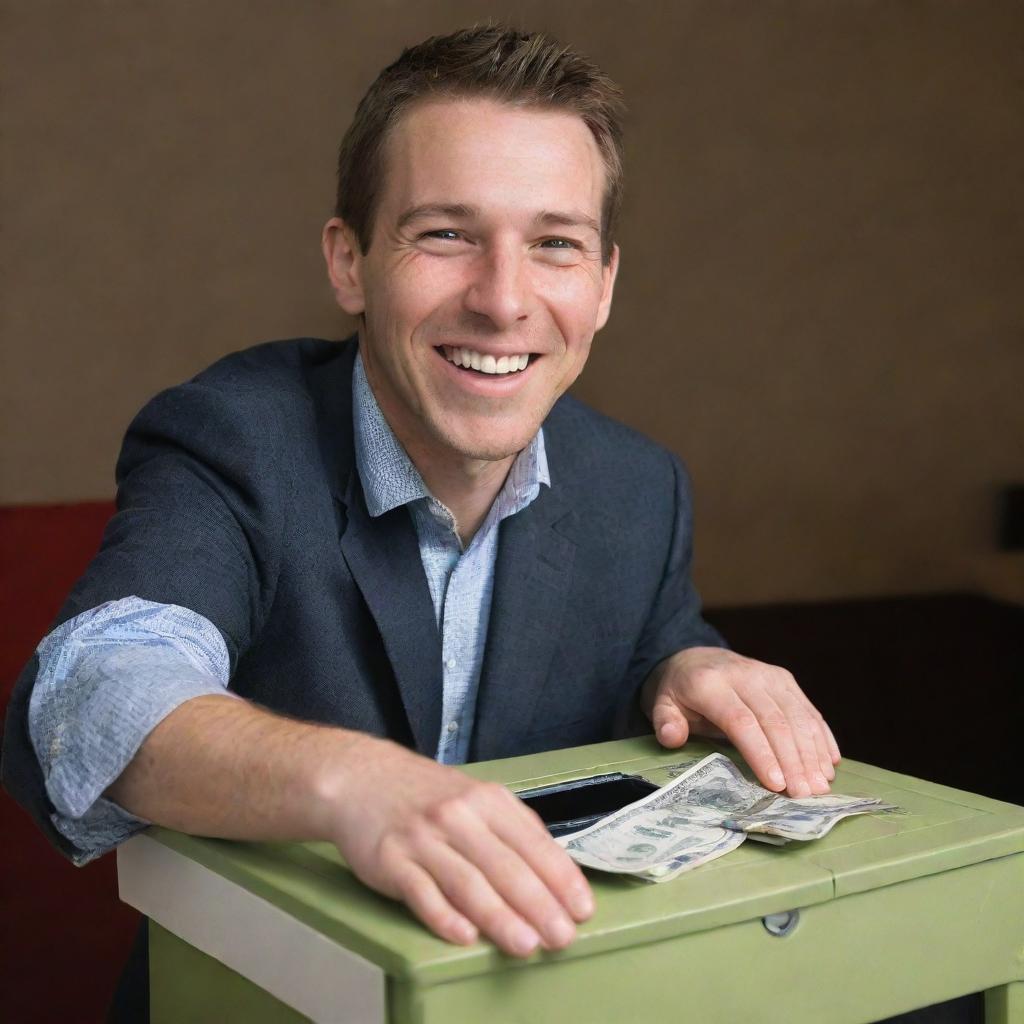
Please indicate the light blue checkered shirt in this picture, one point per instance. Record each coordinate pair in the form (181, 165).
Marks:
(461, 581)
(108, 676)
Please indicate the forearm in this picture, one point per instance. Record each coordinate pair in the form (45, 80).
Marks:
(465, 856)
(219, 766)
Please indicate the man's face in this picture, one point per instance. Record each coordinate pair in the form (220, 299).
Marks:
(486, 251)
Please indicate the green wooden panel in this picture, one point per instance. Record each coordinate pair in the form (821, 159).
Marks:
(187, 985)
(848, 961)
(939, 830)
(1005, 1005)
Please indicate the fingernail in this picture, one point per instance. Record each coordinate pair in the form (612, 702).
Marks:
(523, 940)
(800, 788)
(581, 903)
(776, 777)
(465, 932)
(560, 932)
(820, 781)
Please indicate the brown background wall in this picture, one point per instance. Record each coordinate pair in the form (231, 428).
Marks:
(820, 305)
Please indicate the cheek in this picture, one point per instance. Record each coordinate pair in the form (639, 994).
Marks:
(580, 352)
(574, 301)
(420, 286)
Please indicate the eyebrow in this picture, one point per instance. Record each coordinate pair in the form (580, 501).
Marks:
(572, 219)
(463, 211)
(458, 211)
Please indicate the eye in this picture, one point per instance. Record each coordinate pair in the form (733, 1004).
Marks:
(443, 234)
(560, 252)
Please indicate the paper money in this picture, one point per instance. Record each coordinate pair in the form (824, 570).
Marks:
(703, 814)
(648, 840)
(689, 860)
(754, 810)
(805, 819)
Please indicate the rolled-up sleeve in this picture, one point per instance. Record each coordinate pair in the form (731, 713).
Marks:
(106, 679)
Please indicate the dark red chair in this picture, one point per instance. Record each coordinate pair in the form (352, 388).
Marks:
(64, 933)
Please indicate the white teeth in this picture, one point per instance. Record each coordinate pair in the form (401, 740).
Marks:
(486, 363)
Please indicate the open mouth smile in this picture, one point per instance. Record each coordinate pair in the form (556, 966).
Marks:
(484, 363)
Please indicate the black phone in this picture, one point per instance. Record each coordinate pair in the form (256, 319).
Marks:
(567, 807)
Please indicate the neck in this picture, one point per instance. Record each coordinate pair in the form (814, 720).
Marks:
(466, 486)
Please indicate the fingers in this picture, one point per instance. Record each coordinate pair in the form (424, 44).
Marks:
(414, 887)
(669, 723)
(830, 741)
(774, 764)
(551, 864)
(471, 893)
(824, 742)
(482, 862)
(824, 760)
(525, 874)
(791, 730)
(765, 714)
(803, 727)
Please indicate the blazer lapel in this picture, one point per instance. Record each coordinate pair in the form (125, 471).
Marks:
(532, 578)
(384, 558)
(382, 555)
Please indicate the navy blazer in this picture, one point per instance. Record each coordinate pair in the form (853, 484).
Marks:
(238, 497)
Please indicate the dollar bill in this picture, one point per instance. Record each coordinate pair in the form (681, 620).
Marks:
(687, 861)
(804, 819)
(647, 842)
(664, 773)
(704, 813)
(679, 824)
(757, 811)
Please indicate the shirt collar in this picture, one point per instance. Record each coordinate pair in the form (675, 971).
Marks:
(390, 479)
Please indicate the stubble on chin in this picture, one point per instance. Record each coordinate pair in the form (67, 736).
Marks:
(482, 443)
(480, 449)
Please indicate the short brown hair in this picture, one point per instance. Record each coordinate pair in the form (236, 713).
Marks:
(521, 68)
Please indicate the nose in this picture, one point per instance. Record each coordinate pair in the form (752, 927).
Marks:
(500, 288)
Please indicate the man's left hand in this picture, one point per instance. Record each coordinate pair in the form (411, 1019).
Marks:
(759, 708)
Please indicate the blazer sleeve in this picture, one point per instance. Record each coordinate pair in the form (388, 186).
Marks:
(200, 512)
(674, 622)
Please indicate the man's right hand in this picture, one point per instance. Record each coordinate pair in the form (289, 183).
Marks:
(467, 857)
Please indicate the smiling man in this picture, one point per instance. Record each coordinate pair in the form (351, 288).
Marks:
(482, 286)
(337, 570)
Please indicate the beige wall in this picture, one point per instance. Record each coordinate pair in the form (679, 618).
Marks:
(820, 306)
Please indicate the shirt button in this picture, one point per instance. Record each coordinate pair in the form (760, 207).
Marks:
(450, 663)
(453, 726)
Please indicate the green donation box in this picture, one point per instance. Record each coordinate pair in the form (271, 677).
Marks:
(886, 913)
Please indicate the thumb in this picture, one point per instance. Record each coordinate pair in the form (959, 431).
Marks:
(670, 724)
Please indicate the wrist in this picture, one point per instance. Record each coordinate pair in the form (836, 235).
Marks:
(338, 778)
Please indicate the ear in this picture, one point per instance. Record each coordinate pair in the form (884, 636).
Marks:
(608, 273)
(344, 261)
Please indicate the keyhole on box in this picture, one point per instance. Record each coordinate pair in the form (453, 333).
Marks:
(782, 924)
